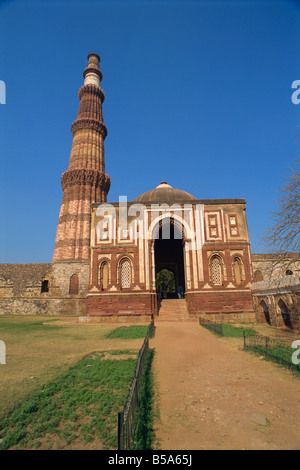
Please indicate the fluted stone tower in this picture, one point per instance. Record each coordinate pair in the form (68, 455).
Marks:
(85, 181)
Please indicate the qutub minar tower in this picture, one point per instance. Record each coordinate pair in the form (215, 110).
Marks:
(85, 181)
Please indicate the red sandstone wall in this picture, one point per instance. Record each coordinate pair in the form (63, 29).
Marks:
(113, 306)
(219, 302)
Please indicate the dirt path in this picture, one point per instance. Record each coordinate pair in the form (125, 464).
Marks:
(211, 395)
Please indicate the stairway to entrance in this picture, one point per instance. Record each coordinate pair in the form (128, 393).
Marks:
(173, 310)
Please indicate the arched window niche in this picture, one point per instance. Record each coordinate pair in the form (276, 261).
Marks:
(258, 276)
(216, 270)
(103, 275)
(125, 273)
(237, 270)
(74, 285)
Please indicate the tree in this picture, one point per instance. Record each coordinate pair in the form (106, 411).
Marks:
(165, 280)
(284, 233)
(283, 236)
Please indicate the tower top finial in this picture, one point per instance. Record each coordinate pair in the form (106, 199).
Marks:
(92, 73)
(95, 55)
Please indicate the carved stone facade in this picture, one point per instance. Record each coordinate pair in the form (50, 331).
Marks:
(206, 246)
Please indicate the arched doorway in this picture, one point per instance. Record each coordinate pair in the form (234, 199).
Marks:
(169, 254)
(285, 313)
(265, 310)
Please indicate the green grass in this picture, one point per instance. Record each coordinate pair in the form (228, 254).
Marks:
(129, 332)
(40, 348)
(237, 332)
(79, 407)
(280, 354)
(25, 327)
(228, 330)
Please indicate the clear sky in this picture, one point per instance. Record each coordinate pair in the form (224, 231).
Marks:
(198, 93)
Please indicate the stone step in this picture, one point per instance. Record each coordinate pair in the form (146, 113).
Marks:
(173, 310)
(173, 314)
(175, 319)
(173, 304)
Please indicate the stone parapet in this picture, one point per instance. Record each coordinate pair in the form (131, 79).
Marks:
(277, 285)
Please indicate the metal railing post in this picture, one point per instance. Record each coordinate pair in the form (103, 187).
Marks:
(120, 430)
(267, 341)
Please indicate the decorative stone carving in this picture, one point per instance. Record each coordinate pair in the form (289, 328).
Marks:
(81, 176)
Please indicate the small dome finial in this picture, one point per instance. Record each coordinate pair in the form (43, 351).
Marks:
(164, 185)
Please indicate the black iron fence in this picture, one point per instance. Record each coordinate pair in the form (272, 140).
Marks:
(210, 325)
(272, 349)
(127, 417)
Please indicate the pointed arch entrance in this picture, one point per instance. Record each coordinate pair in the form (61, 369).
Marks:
(265, 309)
(169, 254)
(285, 313)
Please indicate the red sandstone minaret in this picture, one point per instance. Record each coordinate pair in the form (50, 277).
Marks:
(85, 181)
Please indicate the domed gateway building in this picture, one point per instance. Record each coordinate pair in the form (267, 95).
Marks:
(124, 260)
(203, 244)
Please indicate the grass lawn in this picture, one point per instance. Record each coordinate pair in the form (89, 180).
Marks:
(237, 332)
(229, 331)
(78, 410)
(41, 348)
(129, 332)
(275, 352)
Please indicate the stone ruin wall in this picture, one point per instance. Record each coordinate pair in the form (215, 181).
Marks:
(276, 291)
(21, 289)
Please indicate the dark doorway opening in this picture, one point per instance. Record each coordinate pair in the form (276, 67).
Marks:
(266, 311)
(169, 256)
(285, 313)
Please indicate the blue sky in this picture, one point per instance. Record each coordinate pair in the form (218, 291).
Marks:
(198, 93)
